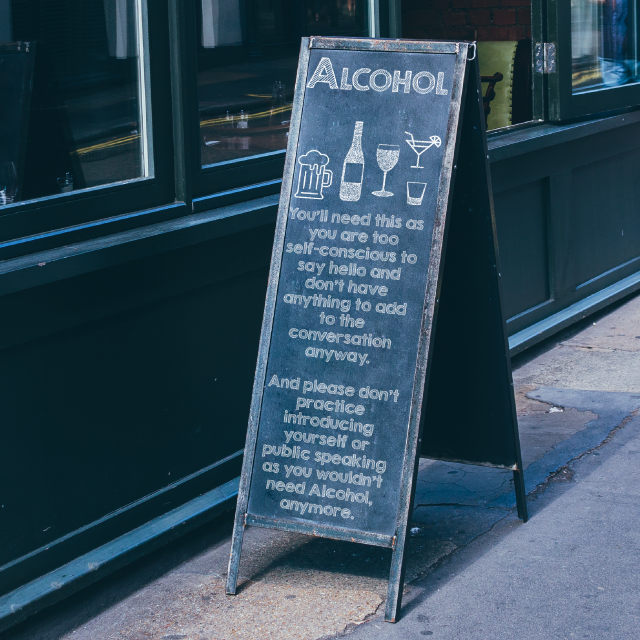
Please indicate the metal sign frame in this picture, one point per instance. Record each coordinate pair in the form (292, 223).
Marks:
(398, 541)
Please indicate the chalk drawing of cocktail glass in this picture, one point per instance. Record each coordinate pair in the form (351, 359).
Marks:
(415, 192)
(420, 146)
(314, 175)
(387, 157)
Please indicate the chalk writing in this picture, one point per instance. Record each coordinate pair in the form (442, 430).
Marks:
(351, 290)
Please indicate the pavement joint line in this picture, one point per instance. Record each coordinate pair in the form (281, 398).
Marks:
(538, 472)
(580, 347)
(594, 434)
(431, 569)
(543, 487)
(457, 504)
(352, 626)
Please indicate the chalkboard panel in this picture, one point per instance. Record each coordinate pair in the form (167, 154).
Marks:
(351, 313)
(353, 275)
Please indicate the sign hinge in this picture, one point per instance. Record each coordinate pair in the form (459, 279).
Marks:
(545, 57)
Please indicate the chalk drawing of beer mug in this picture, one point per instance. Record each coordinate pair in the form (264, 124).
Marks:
(314, 175)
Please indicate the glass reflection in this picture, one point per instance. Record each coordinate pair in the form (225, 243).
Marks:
(247, 63)
(604, 43)
(73, 98)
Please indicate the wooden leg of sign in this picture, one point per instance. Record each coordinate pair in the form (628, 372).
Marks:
(521, 494)
(396, 584)
(234, 558)
(396, 575)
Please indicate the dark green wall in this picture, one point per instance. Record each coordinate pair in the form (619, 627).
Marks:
(124, 386)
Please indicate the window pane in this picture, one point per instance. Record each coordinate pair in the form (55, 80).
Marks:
(247, 61)
(503, 31)
(73, 108)
(604, 43)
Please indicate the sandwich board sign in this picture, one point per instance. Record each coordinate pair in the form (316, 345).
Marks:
(384, 292)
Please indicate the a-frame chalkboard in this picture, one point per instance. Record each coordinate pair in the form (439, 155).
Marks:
(383, 297)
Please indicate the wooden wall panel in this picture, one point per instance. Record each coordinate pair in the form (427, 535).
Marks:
(140, 378)
(606, 220)
(521, 220)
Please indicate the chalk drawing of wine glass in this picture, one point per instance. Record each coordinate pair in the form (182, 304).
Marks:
(387, 157)
(420, 146)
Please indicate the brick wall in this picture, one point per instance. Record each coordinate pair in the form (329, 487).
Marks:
(466, 19)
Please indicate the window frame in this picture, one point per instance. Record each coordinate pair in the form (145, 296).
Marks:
(38, 224)
(563, 104)
(181, 186)
(212, 183)
(538, 89)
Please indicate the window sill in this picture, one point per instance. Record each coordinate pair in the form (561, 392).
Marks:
(509, 145)
(25, 272)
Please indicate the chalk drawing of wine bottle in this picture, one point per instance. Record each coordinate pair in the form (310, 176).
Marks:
(353, 168)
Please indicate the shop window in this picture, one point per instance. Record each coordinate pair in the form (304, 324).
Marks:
(604, 44)
(503, 31)
(74, 96)
(247, 60)
(597, 57)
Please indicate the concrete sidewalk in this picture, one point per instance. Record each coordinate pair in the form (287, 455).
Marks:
(573, 571)
(474, 571)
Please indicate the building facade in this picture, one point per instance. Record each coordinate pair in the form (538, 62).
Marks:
(141, 154)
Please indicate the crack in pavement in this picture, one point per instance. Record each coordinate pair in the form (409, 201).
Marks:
(454, 504)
